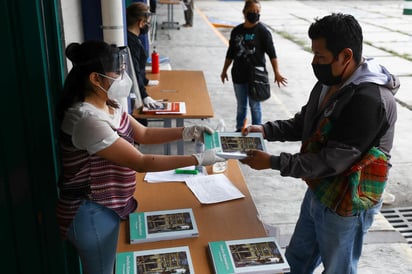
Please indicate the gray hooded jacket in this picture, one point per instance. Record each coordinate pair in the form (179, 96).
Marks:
(363, 114)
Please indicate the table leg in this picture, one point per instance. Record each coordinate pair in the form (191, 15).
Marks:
(171, 15)
(167, 123)
(170, 24)
(180, 143)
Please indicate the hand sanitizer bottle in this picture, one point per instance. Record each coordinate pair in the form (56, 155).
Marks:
(220, 167)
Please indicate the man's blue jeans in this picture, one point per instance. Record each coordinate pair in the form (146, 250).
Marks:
(94, 232)
(242, 98)
(323, 236)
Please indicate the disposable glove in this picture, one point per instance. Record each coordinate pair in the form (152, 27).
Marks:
(208, 157)
(153, 83)
(151, 103)
(195, 133)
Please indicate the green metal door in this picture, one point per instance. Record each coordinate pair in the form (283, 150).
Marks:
(32, 72)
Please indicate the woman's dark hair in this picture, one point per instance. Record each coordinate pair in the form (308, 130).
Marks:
(88, 57)
(340, 31)
(135, 12)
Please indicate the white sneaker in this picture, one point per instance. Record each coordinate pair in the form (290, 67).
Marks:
(388, 198)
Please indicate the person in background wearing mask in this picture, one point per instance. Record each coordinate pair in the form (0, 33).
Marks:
(145, 37)
(346, 129)
(249, 41)
(98, 156)
(137, 20)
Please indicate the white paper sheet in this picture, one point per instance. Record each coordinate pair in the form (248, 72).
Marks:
(170, 176)
(214, 188)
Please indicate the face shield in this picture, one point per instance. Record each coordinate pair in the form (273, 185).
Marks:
(120, 65)
(127, 62)
(148, 17)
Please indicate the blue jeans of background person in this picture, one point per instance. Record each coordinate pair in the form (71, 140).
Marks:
(94, 232)
(323, 236)
(242, 98)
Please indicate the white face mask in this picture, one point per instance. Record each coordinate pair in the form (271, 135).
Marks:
(120, 87)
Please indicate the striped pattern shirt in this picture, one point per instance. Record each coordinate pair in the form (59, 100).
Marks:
(88, 176)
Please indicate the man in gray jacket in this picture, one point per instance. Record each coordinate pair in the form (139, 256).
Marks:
(346, 129)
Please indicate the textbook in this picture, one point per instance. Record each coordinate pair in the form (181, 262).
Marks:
(252, 255)
(166, 108)
(164, 260)
(162, 225)
(233, 145)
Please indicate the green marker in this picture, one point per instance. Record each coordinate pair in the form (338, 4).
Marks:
(186, 171)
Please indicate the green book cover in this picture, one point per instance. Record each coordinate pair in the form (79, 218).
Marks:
(137, 226)
(125, 263)
(211, 140)
(222, 259)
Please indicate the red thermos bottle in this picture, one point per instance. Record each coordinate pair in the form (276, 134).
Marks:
(155, 62)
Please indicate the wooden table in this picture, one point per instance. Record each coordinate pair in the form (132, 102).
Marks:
(224, 221)
(179, 86)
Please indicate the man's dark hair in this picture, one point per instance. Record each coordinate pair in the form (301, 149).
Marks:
(135, 12)
(340, 31)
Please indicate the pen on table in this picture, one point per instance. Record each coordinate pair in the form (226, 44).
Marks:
(162, 100)
(244, 125)
(186, 171)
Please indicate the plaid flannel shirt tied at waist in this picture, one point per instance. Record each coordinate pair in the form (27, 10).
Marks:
(357, 189)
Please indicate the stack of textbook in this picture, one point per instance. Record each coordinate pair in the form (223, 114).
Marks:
(162, 225)
(164, 260)
(251, 255)
(158, 226)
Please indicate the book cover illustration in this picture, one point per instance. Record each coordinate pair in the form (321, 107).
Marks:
(162, 225)
(164, 260)
(234, 144)
(258, 255)
(161, 106)
(167, 108)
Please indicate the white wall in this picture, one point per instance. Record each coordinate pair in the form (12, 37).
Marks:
(72, 23)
